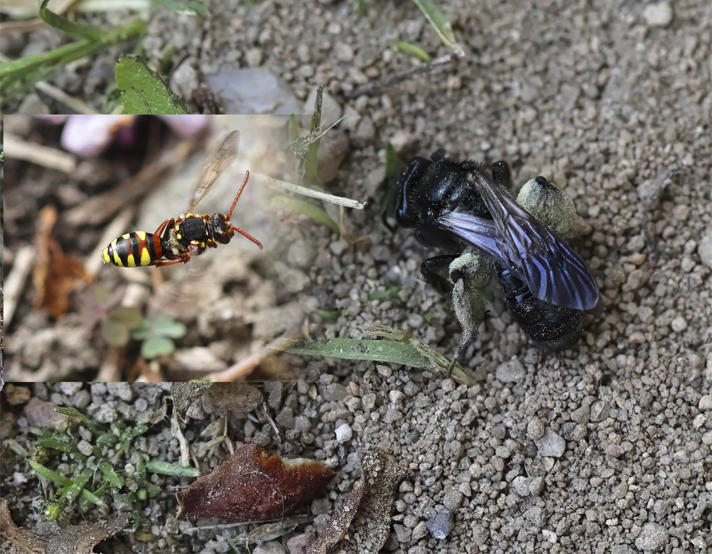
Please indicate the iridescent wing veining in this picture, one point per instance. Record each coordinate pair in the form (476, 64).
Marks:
(552, 270)
(215, 165)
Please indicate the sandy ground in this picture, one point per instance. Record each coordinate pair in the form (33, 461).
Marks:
(604, 447)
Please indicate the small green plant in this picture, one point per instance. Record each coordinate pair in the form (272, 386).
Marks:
(102, 308)
(157, 335)
(305, 148)
(86, 476)
(142, 90)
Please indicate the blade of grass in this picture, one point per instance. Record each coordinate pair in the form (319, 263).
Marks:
(412, 50)
(165, 468)
(70, 27)
(398, 348)
(387, 351)
(305, 208)
(439, 22)
(33, 68)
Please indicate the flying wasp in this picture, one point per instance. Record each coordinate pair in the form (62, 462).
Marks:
(177, 239)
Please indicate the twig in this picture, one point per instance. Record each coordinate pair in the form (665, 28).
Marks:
(244, 367)
(15, 282)
(74, 105)
(18, 149)
(278, 184)
(375, 86)
(99, 208)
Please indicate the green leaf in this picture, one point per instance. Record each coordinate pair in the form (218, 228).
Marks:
(186, 6)
(72, 28)
(165, 468)
(143, 91)
(307, 209)
(157, 346)
(438, 21)
(293, 129)
(143, 331)
(388, 351)
(398, 347)
(386, 294)
(392, 160)
(128, 317)
(413, 50)
(115, 332)
(328, 315)
(110, 475)
(164, 326)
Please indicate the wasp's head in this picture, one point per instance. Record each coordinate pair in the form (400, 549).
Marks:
(221, 229)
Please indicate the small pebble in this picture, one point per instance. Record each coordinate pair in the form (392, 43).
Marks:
(679, 324)
(343, 433)
(704, 249)
(658, 14)
(511, 371)
(440, 524)
(653, 537)
(551, 445)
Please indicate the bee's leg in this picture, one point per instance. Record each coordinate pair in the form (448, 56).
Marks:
(501, 174)
(469, 274)
(432, 271)
(438, 155)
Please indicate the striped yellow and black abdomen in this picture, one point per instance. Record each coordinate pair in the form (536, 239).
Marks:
(134, 249)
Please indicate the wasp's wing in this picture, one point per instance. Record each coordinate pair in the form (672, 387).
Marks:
(215, 165)
(553, 272)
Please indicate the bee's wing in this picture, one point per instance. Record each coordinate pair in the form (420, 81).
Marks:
(215, 165)
(553, 272)
(479, 232)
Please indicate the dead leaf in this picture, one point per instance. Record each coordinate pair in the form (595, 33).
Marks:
(252, 485)
(73, 539)
(237, 398)
(19, 537)
(55, 274)
(366, 512)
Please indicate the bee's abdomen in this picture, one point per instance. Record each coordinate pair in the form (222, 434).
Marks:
(133, 249)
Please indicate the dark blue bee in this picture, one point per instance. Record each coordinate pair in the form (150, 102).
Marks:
(457, 205)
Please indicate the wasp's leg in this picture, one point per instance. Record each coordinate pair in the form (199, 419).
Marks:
(162, 226)
(184, 258)
(168, 262)
(432, 271)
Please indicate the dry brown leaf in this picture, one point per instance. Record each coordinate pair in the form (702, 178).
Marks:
(366, 512)
(252, 485)
(72, 539)
(19, 537)
(55, 274)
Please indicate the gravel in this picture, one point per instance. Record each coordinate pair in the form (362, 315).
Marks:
(600, 447)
